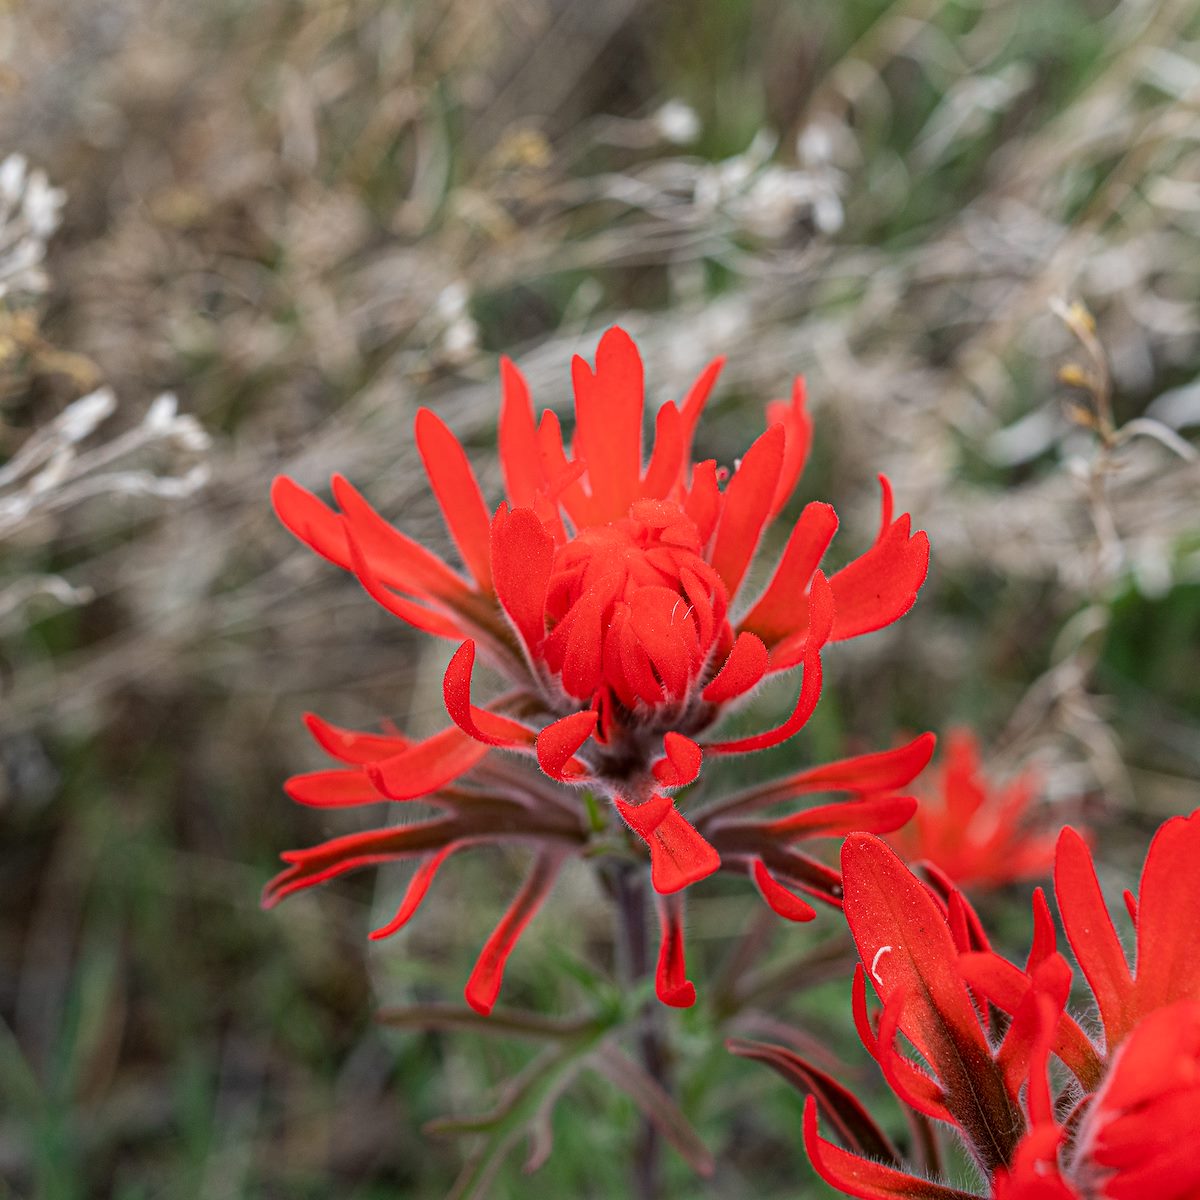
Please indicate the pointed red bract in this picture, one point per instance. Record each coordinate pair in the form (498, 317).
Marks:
(332, 789)
(797, 427)
(426, 766)
(782, 610)
(309, 867)
(787, 904)
(313, 522)
(746, 506)
(1168, 943)
(880, 586)
(351, 746)
(702, 504)
(520, 454)
(1092, 936)
(417, 889)
(396, 560)
(884, 771)
(810, 688)
(418, 615)
(478, 723)
(873, 814)
(484, 984)
(854, 1176)
(670, 978)
(557, 743)
(608, 430)
(696, 398)
(741, 671)
(457, 493)
(681, 765)
(837, 1104)
(906, 946)
(679, 856)
(664, 471)
(522, 560)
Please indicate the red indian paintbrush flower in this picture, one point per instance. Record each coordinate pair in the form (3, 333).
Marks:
(1168, 944)
(1105, 1147)
(977, 836)
(606, 589)
(1118, 1130)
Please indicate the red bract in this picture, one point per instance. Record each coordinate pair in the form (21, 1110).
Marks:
(910, 944)
(911, 941)
(606, 588)
(1135, 1137)
(977, 836)
(494, 807)
(1138, 1137)
(1120, 1131)
(765, 849)
(1168, 966)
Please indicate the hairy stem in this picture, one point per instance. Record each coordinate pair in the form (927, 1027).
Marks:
(628, 884)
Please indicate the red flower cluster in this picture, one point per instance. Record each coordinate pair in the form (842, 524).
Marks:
(976, 836)
(1123, 1128)
(606, 589)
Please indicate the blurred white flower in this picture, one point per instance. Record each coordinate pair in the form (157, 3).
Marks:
(162, 420)
(81, 417)
(814, 146)
(53, 471)
(29, 213)
(677, 123)
(768, 199)
(459, 337)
